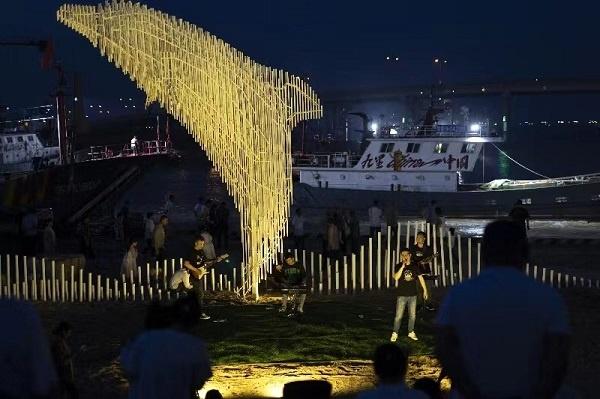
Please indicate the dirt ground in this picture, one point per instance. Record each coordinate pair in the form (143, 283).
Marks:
(335, 341)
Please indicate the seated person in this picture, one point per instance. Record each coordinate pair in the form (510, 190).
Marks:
(293, 276)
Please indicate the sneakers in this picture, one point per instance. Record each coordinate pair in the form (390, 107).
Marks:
(394, 337)
(431, 308)
(413, 336)
(204, 316)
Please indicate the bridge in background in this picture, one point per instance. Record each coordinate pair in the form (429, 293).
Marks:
(507, 88)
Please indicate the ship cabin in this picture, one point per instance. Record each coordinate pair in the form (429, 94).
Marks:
(23, 152)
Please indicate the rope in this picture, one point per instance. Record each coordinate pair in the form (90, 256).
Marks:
(518, 163)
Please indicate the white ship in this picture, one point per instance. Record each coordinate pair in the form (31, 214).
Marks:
(408, 167)
(24, 152)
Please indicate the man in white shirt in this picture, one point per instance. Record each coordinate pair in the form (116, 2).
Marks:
(26, 364)
(134, 145)
(502, 334)
(375, 214)
(170, 362)
(390, 365)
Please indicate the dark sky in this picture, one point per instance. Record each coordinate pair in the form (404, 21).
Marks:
(339, 44)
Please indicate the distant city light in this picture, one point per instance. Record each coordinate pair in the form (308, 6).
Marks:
(397, 58)
(475, 127)
(387, 58)
(75, 99)
(393, 132)
(483, 89)
(403, 120)
(436, 60)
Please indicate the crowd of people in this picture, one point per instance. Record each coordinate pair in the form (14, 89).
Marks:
(498, 335)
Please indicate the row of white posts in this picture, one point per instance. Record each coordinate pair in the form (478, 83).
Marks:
(370, 269)
(30, 278)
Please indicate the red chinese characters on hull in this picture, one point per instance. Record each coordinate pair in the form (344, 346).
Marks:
(382, 161)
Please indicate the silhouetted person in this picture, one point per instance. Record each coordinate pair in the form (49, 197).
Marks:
(354, 225)
(520, 216)
(158, 238)
(298, 221)
(428, 386)
(213, 394)
(49, 240)
(149, 230)
(222, 226)
(168, 362)
(26, 366)
(86, 240)
(375, 215)
(502, 334)
(307, 389)
(390, 364)
(63, 360)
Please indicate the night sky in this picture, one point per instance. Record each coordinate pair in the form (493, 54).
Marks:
(338, 44)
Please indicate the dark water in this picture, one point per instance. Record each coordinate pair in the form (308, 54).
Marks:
(552, 151)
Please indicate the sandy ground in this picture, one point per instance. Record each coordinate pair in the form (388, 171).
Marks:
(100, 331)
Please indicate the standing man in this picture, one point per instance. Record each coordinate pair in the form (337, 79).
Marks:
(375, 214)
(183, 280)
(298, 221)
(502, 334)
(408, 276)
(293, 277)
(222, 226)
(520, 216)
(149, 230)
(422, 256)
(134, 145)
(159, 237)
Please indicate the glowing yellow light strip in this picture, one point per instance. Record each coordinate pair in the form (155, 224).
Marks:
(240, 112)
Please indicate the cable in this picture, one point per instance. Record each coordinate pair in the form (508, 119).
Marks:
(520, 164)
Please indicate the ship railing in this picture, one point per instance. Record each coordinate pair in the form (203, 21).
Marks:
(475, 130)
(150, 147)
(332, 160)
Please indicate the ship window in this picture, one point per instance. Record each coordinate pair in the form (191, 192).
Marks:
(9, 140)
(20, 139)
(561, 199)
(30, 138)
(467, 148)
(440, 148)
(387, 147)
(413, 148)
(526, 201)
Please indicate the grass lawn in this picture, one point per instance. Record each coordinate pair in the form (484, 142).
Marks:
(332, 329)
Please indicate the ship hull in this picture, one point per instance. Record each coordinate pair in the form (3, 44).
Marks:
(581, 201)
(67, 188)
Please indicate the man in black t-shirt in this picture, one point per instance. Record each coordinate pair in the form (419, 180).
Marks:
(408, 275)
(422, 256)
(182, 280)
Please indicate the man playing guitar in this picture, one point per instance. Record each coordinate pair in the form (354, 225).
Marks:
(196, 265)
(423, 255)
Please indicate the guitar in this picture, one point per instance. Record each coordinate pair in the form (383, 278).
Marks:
(428, 259)
(202, 271)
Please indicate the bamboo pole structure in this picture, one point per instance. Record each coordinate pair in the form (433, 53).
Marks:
(240, 112)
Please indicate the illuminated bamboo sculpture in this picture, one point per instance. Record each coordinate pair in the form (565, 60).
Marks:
(240, 112)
